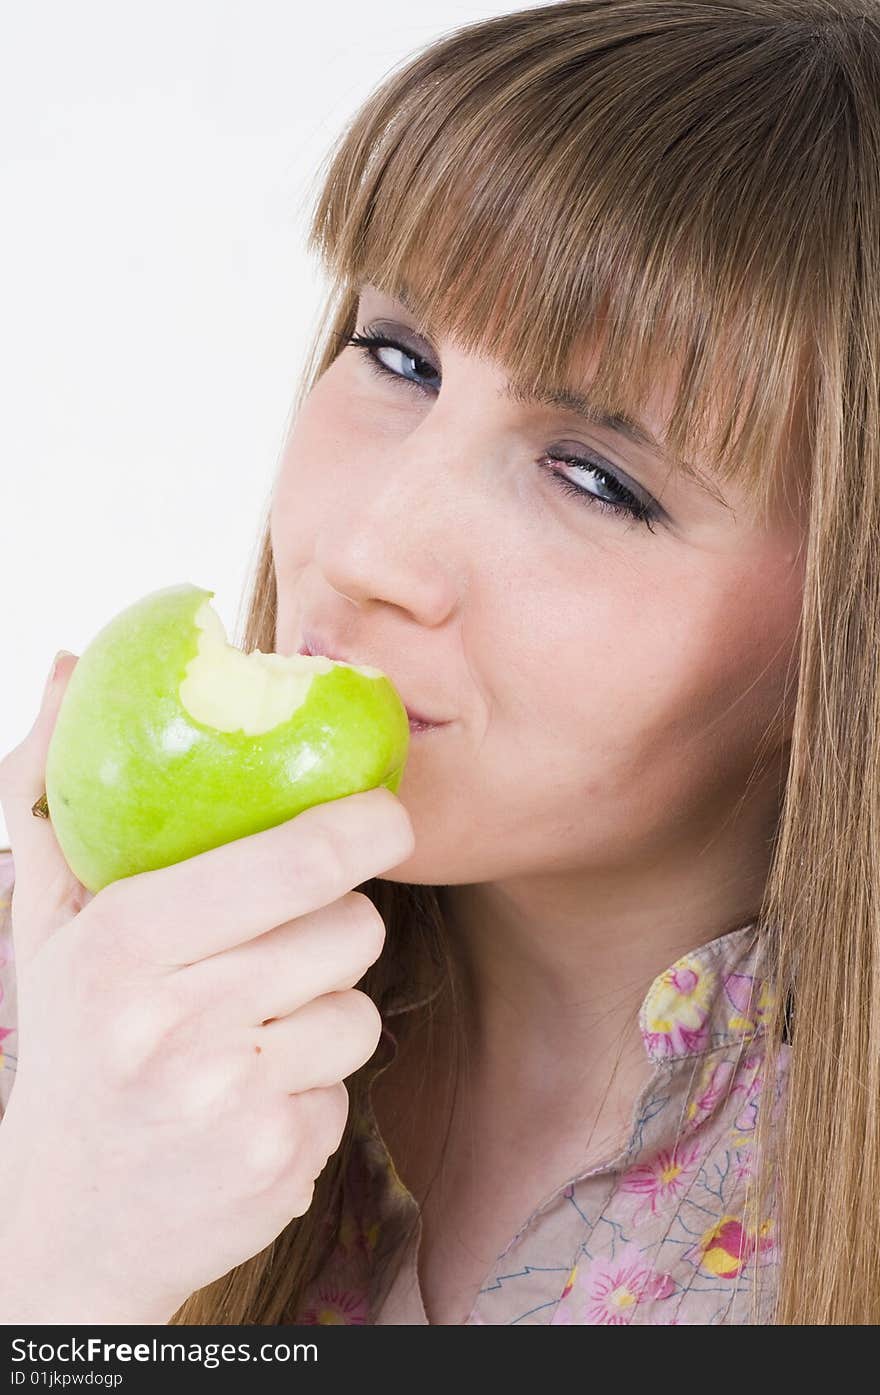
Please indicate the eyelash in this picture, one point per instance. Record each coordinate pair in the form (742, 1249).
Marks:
(627, 505)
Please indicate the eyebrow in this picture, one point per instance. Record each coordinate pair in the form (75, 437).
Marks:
(581, 404)
(577, 402)
(566, 398)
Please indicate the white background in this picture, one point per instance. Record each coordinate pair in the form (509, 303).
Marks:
(157, 166)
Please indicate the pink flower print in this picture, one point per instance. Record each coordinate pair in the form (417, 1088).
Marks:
(662, 1179)
(674, 1017)
(727, 1246)
(336, 1306)
(609, 1291)
(713, 1088)
(4, 1032)
(751, 1001)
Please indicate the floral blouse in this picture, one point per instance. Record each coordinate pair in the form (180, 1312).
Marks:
(661, 1233)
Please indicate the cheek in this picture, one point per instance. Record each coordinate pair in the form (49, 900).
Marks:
(700, 676)
(306, 481)
(666, 681)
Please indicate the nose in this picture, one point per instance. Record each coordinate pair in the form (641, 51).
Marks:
(395, 534)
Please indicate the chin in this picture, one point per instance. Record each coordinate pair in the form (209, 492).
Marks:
(423, 871)
(407, 872)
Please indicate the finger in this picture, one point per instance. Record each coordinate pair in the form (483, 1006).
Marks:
(46, 891)
(321, 1043)
(228, 895)
(321, 1114)
(295, 1142)
(272, 976)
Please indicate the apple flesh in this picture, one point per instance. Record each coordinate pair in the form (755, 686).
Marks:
(170, 741)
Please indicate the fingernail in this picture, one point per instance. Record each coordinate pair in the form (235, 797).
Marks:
(56, 664)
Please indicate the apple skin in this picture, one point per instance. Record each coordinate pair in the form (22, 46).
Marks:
(134, 782)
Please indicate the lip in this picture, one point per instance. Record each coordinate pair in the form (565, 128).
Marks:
(313, 646)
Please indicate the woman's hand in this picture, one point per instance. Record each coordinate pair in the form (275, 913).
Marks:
(183, 1039)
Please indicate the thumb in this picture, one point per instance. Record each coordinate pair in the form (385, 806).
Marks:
(46, 892)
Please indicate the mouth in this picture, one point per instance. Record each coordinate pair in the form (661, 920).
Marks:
(312, 647)
(416, 725)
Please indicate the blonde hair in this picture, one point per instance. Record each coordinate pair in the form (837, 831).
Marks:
(701, 180)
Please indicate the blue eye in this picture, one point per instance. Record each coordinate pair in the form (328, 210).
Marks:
(371, 342)
(623, 503)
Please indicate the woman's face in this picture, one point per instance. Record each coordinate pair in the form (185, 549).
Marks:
(603, 686)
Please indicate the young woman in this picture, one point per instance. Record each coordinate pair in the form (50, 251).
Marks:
(587, 459)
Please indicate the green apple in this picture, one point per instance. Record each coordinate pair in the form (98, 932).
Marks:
(170, 741)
